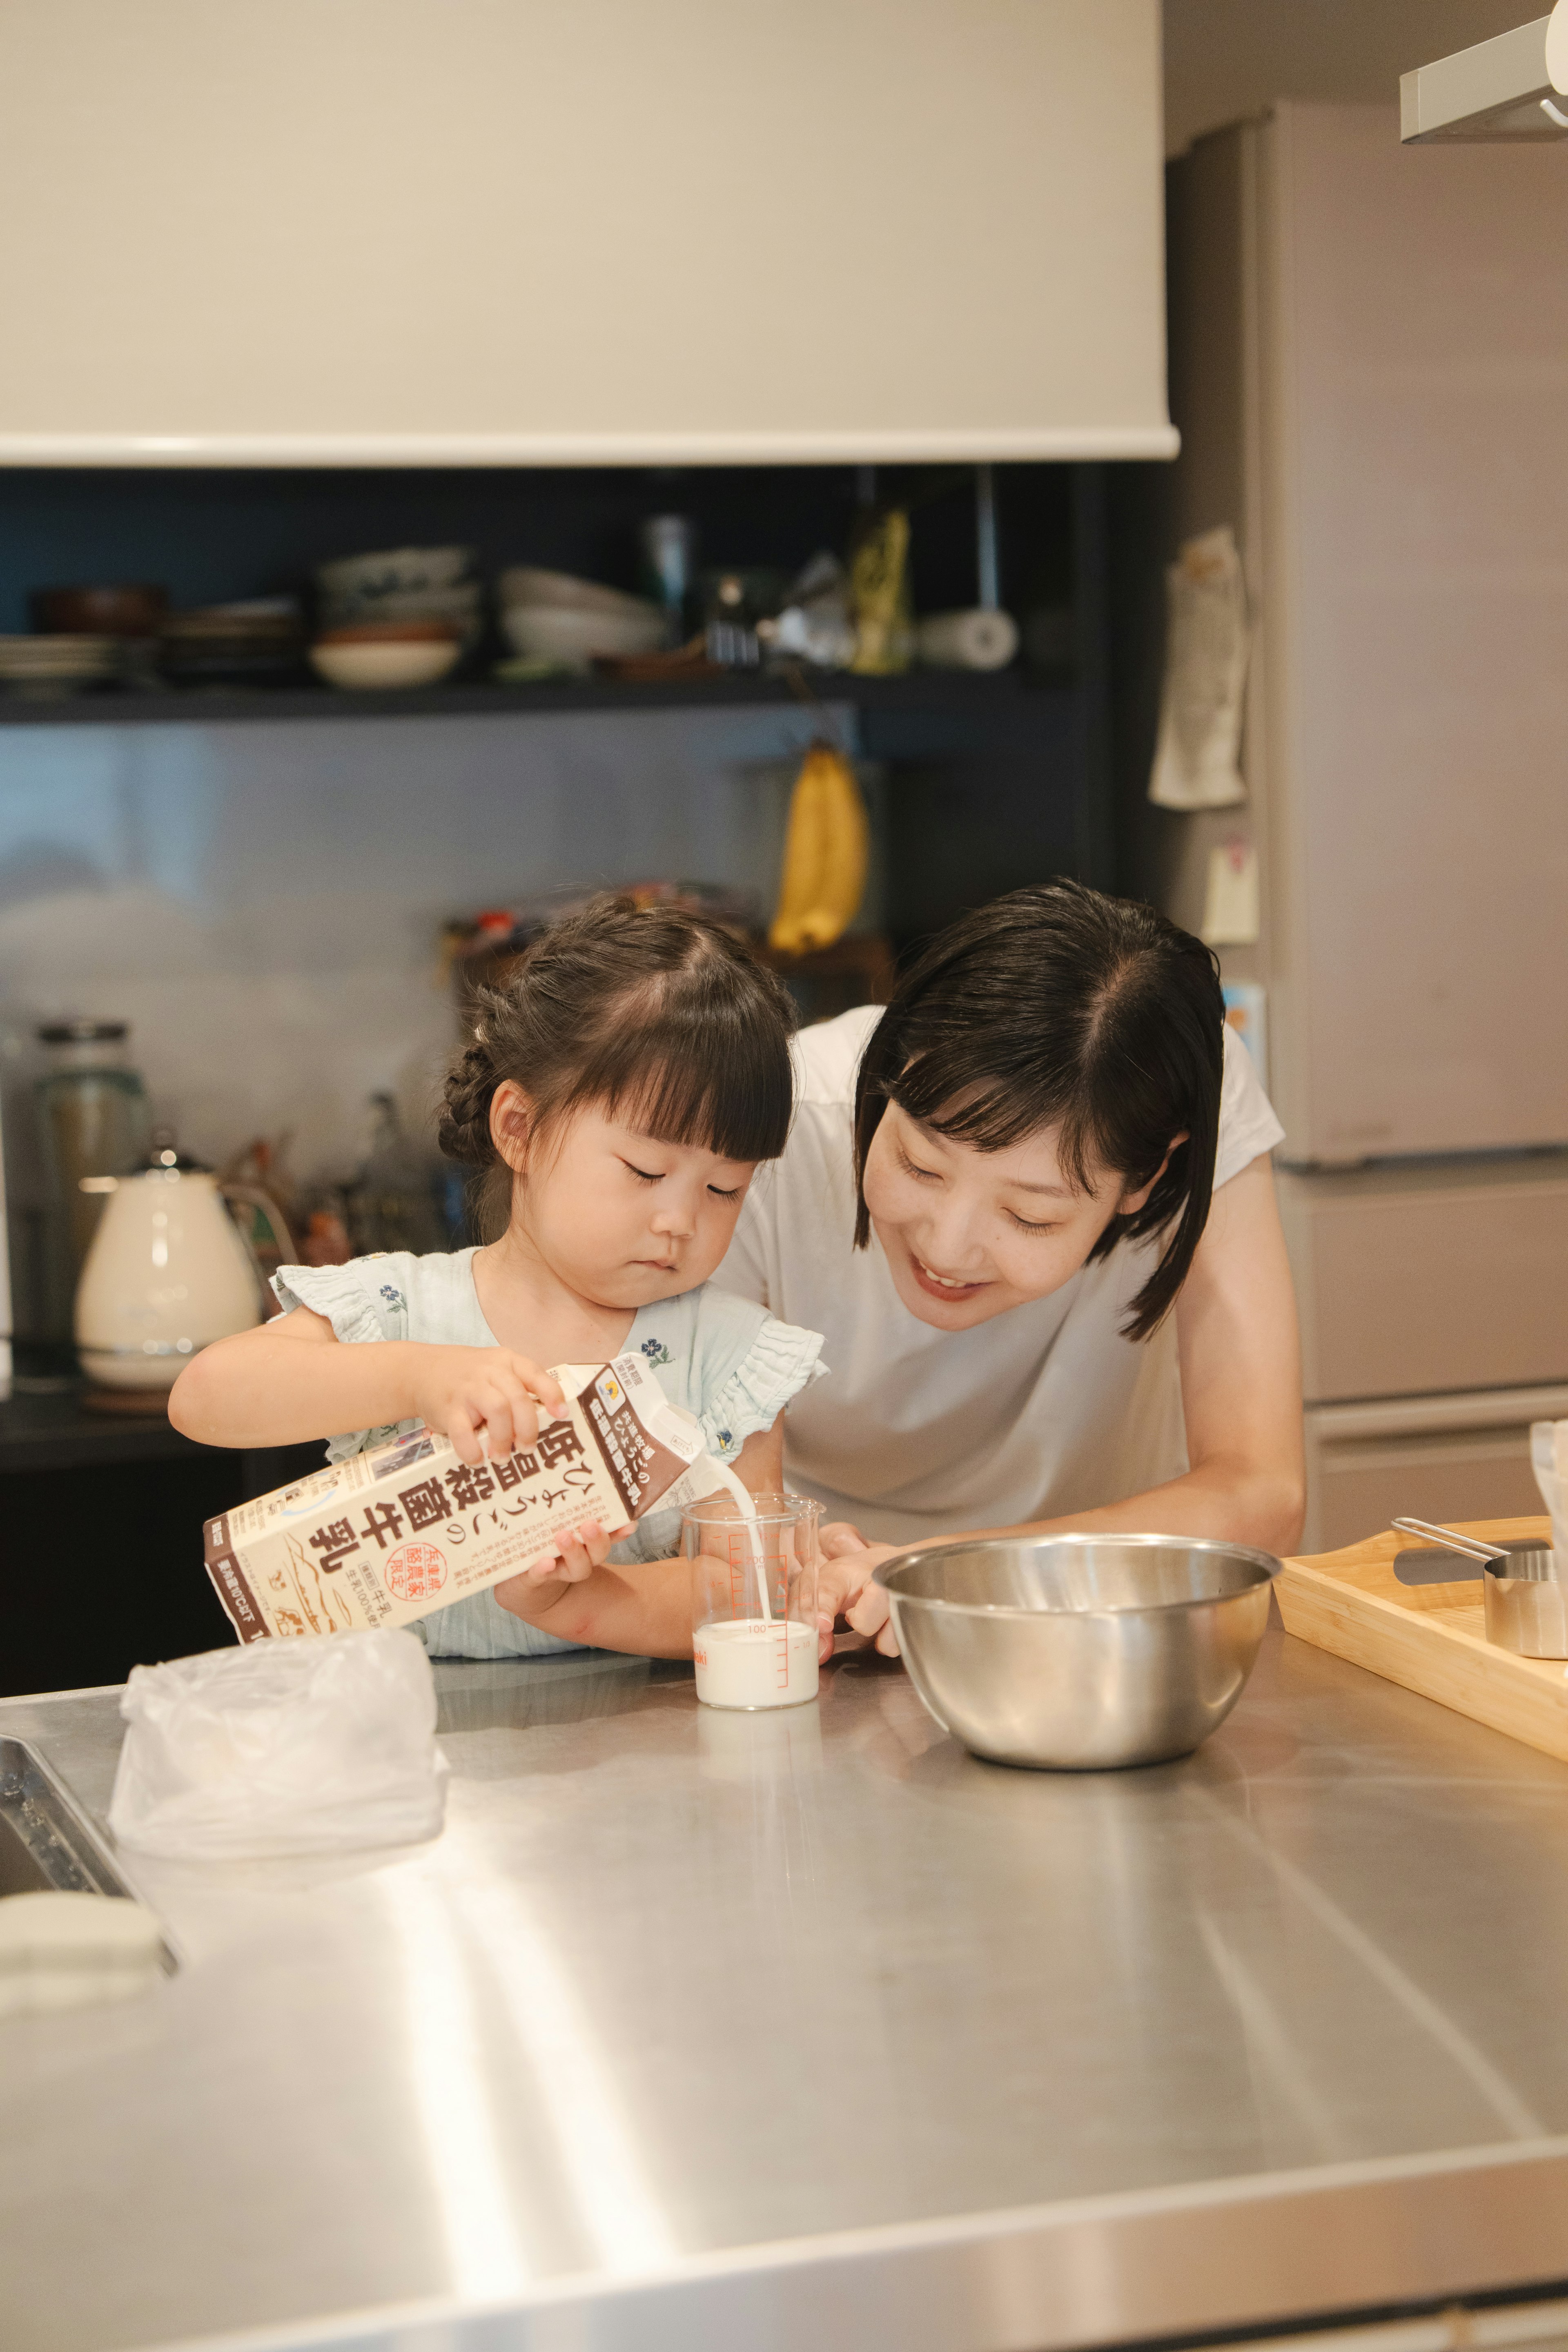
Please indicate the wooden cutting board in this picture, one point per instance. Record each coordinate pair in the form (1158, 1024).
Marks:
(1430, 1637)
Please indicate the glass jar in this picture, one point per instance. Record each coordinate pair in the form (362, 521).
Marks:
(92, 1121)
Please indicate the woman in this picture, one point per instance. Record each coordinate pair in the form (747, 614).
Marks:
(1030, 1207)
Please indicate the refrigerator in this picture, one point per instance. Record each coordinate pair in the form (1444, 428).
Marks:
(1369, 361)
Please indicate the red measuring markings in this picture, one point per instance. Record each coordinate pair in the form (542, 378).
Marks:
(743, 1599)
(743, 1592)
(416, 1572)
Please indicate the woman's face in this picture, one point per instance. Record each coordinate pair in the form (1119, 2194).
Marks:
(970, 1234)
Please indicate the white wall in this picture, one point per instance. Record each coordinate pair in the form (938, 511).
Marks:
(1229, 58)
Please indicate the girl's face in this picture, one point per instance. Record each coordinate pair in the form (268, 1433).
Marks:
(969, 1234)
(620, 1218)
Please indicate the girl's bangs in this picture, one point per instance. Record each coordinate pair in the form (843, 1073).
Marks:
(733, 1100)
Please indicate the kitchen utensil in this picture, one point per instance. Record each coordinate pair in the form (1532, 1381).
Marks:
(669, 545)
(1079, 1653)
(575, 638)
(397, 570)
(1526, 1598)
(389, 633)
(734, 602)
(1432, 1640)
(564, 592)
(1526, 1601)
(93, 1120)
(131, 611)
(1527, 1605)
(1467, 1546)
(362, 667)
(977, 639)
(167, 1272)
(39, 666)
(754, 1633)
(255, 642)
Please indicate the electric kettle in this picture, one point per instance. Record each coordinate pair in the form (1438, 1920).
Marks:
(168, 1272)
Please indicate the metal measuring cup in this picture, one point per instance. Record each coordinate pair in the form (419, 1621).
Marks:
(1525, 1593)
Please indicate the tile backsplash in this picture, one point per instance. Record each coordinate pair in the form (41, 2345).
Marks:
(262, 901)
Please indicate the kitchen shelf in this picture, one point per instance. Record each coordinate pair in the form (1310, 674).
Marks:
(954, 693)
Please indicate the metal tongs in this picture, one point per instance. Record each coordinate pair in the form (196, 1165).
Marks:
(1525, 1593)
(1469, 1547)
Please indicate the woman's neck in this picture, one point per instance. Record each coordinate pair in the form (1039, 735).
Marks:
(531, 1308)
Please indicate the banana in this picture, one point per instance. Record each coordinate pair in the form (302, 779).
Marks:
(805, 857)
(825, 854)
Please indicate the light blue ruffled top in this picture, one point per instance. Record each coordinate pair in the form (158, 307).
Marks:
(724, 1359)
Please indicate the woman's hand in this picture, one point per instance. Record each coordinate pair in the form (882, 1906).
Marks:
(485, 1400)
(843, 1583)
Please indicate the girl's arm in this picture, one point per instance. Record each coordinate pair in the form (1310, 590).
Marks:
(1241, 1399)
(647, 1608)
(292, 1378)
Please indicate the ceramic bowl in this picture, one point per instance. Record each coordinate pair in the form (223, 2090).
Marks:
(394, 569)
(378, 667)
(131, 611)
(562, 592)
(575, 639)
(389, 633)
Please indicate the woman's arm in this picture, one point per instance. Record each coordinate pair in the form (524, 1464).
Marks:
(647, 1608)
(1241, 1399)
(292, 1378)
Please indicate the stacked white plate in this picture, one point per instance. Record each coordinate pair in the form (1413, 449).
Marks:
(404, 583)
(551, 616)
(44, 666)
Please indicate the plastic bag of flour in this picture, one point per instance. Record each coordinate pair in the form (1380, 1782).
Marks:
(1548, 1458)
(281, 1748)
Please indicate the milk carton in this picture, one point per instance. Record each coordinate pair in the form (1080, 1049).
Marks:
(406, 1528)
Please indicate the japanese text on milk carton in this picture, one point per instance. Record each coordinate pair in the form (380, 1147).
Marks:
(406, 1528)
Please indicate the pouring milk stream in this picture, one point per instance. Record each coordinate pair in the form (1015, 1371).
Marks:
(749, 1662)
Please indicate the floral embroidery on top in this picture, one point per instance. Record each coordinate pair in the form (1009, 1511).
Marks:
(656, 1352)
(725, 1441)
(395, 1295)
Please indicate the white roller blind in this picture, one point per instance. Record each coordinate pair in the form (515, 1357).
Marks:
(580, 231)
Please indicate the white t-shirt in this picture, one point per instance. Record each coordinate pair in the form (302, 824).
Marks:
(1043, 1410)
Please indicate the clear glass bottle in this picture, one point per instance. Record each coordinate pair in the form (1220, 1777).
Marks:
(93, 1120)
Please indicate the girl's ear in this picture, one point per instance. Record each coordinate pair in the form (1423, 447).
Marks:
(511, 1123)
(1130, 1202)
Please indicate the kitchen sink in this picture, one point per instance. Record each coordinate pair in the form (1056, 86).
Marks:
(47, 1841)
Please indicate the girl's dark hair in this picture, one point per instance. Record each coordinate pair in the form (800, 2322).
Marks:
(657, 1014)
(1058, 1007)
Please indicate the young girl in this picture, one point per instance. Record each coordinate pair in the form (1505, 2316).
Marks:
(618, 1095)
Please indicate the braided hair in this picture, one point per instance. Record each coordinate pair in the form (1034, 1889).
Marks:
(660, 1017)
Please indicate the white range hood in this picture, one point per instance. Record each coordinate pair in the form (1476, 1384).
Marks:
(581, 232)
(1512, 88)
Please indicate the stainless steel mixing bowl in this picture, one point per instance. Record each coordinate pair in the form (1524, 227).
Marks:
(1081, 1653)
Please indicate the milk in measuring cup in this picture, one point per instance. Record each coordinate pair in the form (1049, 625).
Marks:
(751, 1665)
(757, 1655)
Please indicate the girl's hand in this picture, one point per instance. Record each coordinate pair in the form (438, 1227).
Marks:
(485, 1400)
(843, 1583)
(539, 1585)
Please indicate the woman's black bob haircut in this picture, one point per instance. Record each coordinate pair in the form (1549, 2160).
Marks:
(661, 1017)
(1058, 1007)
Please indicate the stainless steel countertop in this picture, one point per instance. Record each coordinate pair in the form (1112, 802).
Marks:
(809, 2030)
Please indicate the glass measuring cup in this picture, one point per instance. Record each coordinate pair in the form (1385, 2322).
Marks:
(752, 1654)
